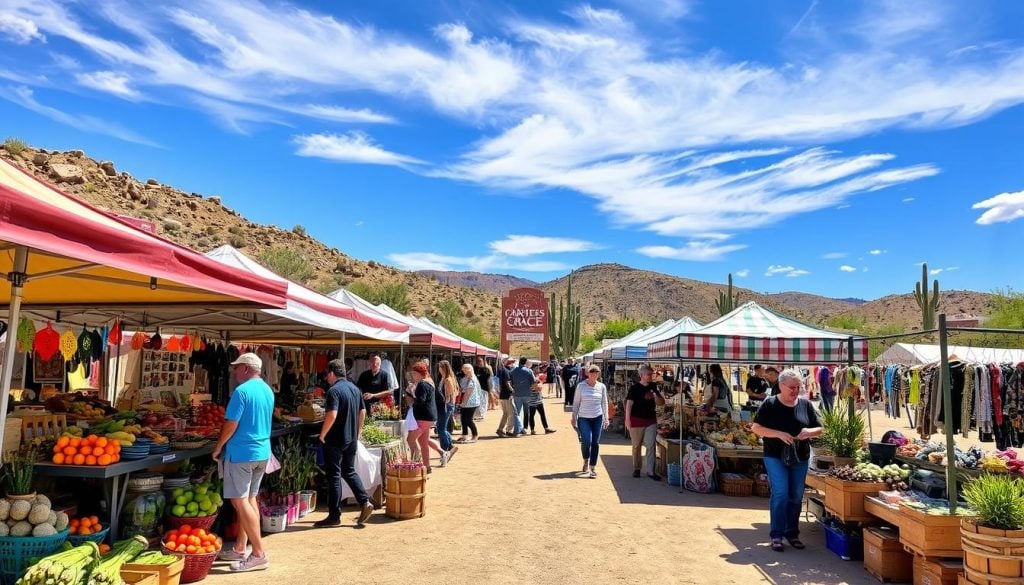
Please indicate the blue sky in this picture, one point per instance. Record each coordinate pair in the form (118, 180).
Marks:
(828, 147)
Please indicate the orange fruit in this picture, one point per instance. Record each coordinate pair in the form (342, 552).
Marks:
(180, 548)
(58, 458)
(102, 442)
(94, 519)
(117, 458)
(90, 460)
(109, 449)
(184, 529)
(190, 549)
(75, 442)
(103, 459)
(70, 451)
(63, 442)
(117, 447)
(79, 459)
(73, 523)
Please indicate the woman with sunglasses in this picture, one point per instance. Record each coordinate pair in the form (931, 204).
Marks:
(590, 417)
(787, 423)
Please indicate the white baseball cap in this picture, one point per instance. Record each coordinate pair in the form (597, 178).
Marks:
(249, 359)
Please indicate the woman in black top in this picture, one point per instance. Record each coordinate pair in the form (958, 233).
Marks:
(289, 381)
(787, 423)
(424, 409)
(718, 394)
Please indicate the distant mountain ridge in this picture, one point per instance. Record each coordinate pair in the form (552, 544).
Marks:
(493, 283)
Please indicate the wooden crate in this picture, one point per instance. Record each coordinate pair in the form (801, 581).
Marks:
(137, 578)
(936, 571)
(885, 558)
(49, 426)
(930, 536)
(883, 511)
(166, 574)
(845, 499)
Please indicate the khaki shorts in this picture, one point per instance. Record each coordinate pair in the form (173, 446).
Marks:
(242, 480)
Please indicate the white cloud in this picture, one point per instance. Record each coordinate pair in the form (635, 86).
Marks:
(353, 147)
(20, 31)
(935, 271)
(1001, 208)
(834, 255)
(877, 252)
(516, 245)
(788, 271)
(907, 199)
(693, 250)
(25, 98)
(743, 273)
(843, 206)
(431, 261)
(847, 268)
(109, 82)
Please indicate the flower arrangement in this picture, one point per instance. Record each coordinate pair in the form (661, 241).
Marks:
(384, 411)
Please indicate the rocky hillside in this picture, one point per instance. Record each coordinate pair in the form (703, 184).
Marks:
(902, 310)
(493, 283)
(203, 223)
(812, 304)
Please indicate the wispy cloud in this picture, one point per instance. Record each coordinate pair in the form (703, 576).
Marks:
(706, 250)
(18, 30)
(877, 252)
(25, 98)
(847, 268)
(518, 245)
(935, 271)
(109, 82)
(1001, 208)
(907, 199)
(834, 255)
(843, 206)
(789, 271)
(743, 273)
(353, 147)
(431, 261)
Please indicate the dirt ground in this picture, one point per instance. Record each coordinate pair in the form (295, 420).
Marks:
(516, 511)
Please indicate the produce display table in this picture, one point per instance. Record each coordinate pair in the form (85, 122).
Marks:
(882, 511)
(115, 477)
(724, 453)
(815, 481)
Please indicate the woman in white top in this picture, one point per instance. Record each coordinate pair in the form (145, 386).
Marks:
(590, 417)
(469, 401)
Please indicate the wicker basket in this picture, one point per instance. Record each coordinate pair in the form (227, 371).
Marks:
(736, 485)
(17, 551)
(197, 567)
(762, 488)
(187, 445)
(204, 522)
(97, 537)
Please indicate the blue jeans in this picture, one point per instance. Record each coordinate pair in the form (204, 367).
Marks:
(590, 437)
(522, 404)
(443, 436)
(787, 496)
(827, 401)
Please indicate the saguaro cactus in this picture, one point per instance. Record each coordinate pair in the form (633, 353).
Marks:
(564, 324)
(726, 301)
(929, 303)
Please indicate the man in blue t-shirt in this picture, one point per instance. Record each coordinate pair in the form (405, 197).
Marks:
(244, 450)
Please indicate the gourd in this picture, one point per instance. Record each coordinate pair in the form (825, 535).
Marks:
(61, 522)
(44, 530)
(22, 528)
(20, 510)
(42, 499)
(52, 518)
(39, 514)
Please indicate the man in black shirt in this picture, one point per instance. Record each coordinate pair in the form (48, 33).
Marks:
(772, 374)
(642, 404)
(757, 386)
(340, 436)
(510, 425)
(373, 383)
(570, 375)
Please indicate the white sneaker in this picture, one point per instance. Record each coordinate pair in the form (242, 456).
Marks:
(445, 455)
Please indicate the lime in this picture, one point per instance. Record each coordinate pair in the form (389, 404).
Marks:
(181, 500)
(178, 511)
(201, 489)
(177, 492)
(192, 507)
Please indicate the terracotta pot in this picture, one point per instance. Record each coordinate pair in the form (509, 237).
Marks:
(25, 497)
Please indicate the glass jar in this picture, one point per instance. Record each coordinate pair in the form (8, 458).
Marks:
(143, 512)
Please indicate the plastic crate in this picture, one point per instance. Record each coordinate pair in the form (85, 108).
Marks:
(17, 551)
(848, 547)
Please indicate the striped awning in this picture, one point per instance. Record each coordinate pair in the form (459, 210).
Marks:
(752, 333)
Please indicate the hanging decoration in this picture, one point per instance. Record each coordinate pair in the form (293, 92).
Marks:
(84, 345)
(186, 343)
(156, 342)
(68, 345)
(3, 327)
(97, 344)
(138, 340)
(114, 337)
(46, 342)
(104, 333)
(26, 335)
(173, 344)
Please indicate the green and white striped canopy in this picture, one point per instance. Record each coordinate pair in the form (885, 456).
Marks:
(752, 333)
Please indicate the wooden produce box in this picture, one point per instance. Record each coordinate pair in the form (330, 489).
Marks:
(884, 557)
(136, 578)
(845, 499)
(936, 571)
(166, 574)
(668, 452)
(885, 512)
(930, 536)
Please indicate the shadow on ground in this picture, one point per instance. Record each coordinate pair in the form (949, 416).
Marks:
(792, 567)
(643, 490)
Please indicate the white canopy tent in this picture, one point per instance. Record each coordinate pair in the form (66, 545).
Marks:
(637, 348)
(912, 354)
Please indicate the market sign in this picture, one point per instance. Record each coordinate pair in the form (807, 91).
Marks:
(524, 317)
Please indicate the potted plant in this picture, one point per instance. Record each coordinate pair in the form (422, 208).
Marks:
(843, 434)
(18, 468)
(992, 540)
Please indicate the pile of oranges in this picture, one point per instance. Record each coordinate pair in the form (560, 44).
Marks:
(91, 450)
(84, 526)
(192, 541)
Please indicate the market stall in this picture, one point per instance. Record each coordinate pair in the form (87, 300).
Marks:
(636, 349)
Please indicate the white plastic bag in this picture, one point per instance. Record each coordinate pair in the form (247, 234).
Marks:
(410, 421)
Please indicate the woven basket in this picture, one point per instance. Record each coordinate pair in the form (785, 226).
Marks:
(197, 567)
(97, 537)
(741, 487)
(185, 446)
(204, 522)
(762, 489)
(17, 551)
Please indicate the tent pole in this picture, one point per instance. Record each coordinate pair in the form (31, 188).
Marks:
(851, 406)
(343, 346)
(947, 407)
(17, 280)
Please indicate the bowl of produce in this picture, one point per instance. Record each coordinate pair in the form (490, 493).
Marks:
(199, 546)
(195, 505)
(87, 528)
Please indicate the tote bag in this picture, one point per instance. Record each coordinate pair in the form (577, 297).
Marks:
(410, 421)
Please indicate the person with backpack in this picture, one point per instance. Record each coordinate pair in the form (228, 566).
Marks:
(570, 376)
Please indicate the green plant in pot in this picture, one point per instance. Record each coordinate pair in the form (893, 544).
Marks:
(18, 469)
(843, 433)
(992, 540)
(998, 501)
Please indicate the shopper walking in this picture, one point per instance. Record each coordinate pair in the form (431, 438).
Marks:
(243, 449)
(522, 385)
(509, 425)
(343, 423)
(787, 423)
(484, 373)
(642, 401)
(825, 387)
(469, 401)
(551, 377)
(424, 410)
(448, 393)
(537, 405)
(590, 417)
(570, 376)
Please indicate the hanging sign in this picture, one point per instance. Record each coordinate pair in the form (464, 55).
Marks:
(524, 317)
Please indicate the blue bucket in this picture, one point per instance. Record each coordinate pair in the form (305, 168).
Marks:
(675, 474)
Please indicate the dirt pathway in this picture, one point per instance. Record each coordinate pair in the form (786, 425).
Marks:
(514, 511)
